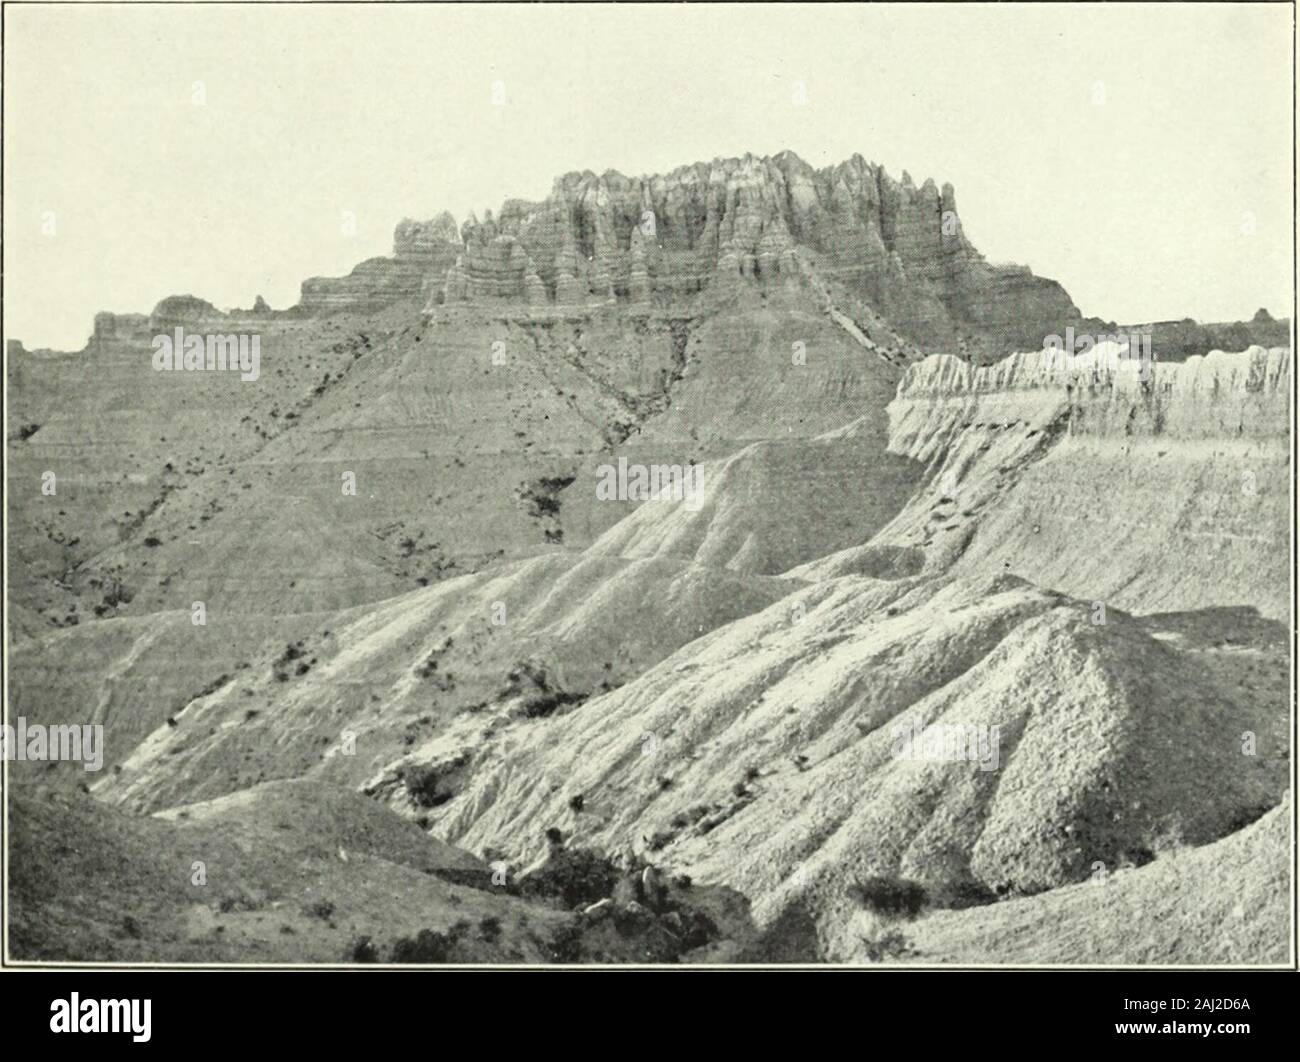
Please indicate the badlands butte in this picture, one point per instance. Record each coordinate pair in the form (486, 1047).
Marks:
(385, 676)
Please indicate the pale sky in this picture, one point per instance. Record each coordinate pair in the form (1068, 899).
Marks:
(1139, 154)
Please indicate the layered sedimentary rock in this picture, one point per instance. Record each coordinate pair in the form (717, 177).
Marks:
(178, 311)
(192, 313)
(420, 249)
(654, 241)
(757, 220)
(731, 218)
(1165, 493)
(110, 326)
(895, 251)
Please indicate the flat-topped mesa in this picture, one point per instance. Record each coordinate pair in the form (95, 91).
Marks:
(729, 219)
(192, 313)
(179, 311)
(111, 326)
(645, 241)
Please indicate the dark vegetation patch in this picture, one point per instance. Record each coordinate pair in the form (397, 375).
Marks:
(542, 693)
(428, 946)
(891, 896)
(431, 785)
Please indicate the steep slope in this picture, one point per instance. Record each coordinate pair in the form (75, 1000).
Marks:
(95, 456)
(1165, 495)
(130, 674)
(360, 468)
(407, 695)
(485, 365)
(766, 755)
(460, 438)
(773, 505)
(773, 696)
(1228, 902)
(600, 239)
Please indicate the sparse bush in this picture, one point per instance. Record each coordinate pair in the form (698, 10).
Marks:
(322, 909)
(888, 945)
(424, 784)
(543, 695)
(962, 894)
(425, 946)
(890, 896)
(575, 877)
(544, 704)
(566, 945)
(362, 949)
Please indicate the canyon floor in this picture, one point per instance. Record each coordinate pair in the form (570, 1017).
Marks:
(386, 675)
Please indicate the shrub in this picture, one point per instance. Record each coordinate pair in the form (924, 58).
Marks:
(960, 894)
(322, 909)
(574, 876)
(566, 945)
(424, 784)
(890, 896)
(889, 945)
(362, 949)
(425, 946)
(544, 704)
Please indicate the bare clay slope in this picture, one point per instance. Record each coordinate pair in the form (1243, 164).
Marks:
(426, 683)
(1168, 494)
(1224, 903)
(770, 765)
(1091, 565)
(764, 755)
